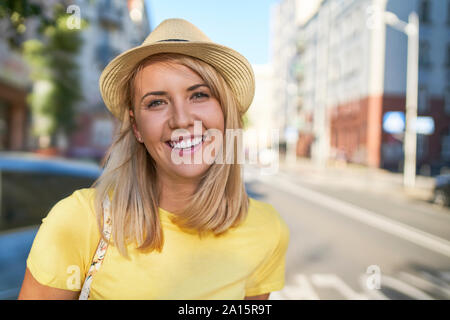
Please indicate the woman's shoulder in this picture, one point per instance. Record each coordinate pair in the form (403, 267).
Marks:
(263, 212)
(82, 198)
(67, 236)
(77, 206)
(268, 222)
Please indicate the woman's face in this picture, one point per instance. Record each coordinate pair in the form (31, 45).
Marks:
(168, 100)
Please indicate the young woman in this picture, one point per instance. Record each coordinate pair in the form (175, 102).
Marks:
(166, 219)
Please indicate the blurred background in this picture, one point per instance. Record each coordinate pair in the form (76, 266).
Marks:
(348, 136)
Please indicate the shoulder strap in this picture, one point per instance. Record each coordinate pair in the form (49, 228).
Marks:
(100, 252)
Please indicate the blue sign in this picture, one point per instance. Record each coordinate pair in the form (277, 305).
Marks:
(424, 125)
(394, 122)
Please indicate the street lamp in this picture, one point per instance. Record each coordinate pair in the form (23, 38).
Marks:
(411, 29)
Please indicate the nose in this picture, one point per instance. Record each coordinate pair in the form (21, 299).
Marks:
(181, 116)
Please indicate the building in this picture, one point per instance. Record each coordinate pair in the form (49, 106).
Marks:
(352, 71)
(14, 85)
(262, 128)
(284, 21)
(287, 17)
(433, 151)
(114, 27)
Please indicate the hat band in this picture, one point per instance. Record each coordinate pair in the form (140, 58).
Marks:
(172, 40)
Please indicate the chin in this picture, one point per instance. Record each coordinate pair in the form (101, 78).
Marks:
(190, 171)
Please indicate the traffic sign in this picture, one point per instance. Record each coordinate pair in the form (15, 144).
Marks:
(424, 125)
(394, 122)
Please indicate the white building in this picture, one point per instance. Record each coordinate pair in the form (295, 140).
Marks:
(261, 123)
(353, 70)
(284, 21)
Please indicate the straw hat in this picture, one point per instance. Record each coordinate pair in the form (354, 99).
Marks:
(180, 36)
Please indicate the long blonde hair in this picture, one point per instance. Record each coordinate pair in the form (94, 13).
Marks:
(220, 201)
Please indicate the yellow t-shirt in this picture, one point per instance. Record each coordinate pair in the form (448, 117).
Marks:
(248, 260)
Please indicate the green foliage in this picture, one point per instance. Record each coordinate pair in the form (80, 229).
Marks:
(55, 76)
(16, 12)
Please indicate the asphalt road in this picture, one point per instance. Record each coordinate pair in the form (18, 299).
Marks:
(350, 244)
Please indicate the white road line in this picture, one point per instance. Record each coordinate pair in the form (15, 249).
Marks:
(368, 217)
(373, 294)
(300, 290)
(334, 282)
(425, 284)
(404, 288)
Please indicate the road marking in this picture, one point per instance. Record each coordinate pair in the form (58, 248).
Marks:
(300, 290)
(333, 281)
(366, 216)
(373, 294)
(404, 288)
(425, 284)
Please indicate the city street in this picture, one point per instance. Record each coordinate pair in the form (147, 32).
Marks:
(341, 236)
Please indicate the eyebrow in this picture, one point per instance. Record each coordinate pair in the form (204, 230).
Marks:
(163, 93)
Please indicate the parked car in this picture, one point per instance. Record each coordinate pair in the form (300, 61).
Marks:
(30, 186)
(441, 194)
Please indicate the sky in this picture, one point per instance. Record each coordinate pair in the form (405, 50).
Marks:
(243, 25)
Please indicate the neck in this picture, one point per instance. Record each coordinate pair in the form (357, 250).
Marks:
(175, 193)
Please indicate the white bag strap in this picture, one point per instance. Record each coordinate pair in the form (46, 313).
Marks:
(100, 252)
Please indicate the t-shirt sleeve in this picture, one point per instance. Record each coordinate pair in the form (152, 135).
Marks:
(270, 275)
(64, 243)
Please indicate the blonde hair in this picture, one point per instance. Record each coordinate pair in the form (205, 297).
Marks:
(220, 201)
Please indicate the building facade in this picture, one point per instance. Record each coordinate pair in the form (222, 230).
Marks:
(261, 128)
(114, 27)
(14, 85)
(284, 22)
(353, 71)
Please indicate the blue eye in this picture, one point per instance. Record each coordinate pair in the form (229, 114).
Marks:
(199, 95)
(154, 103)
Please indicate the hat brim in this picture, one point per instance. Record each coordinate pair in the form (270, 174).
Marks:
(234, 68)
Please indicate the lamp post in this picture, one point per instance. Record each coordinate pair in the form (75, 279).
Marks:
(412, 76)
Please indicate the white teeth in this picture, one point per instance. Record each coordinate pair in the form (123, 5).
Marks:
(185, 144)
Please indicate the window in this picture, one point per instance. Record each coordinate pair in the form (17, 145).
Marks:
(424, 54)
(422, 103)
(30, 191)
(422, 146)
(425, 11)
(447, 57)
(445, 147)
(448, 13)
(447, 100)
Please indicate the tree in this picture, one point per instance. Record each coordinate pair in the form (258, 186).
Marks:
(54, 69)
(14, 15)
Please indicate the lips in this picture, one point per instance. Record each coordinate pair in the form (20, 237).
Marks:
(186, 142)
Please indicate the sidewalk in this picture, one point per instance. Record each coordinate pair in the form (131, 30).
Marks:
(359, 177)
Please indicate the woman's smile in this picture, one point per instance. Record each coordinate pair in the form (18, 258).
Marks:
(186, 145)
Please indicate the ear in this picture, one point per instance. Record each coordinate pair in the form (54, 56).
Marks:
(134, 126)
